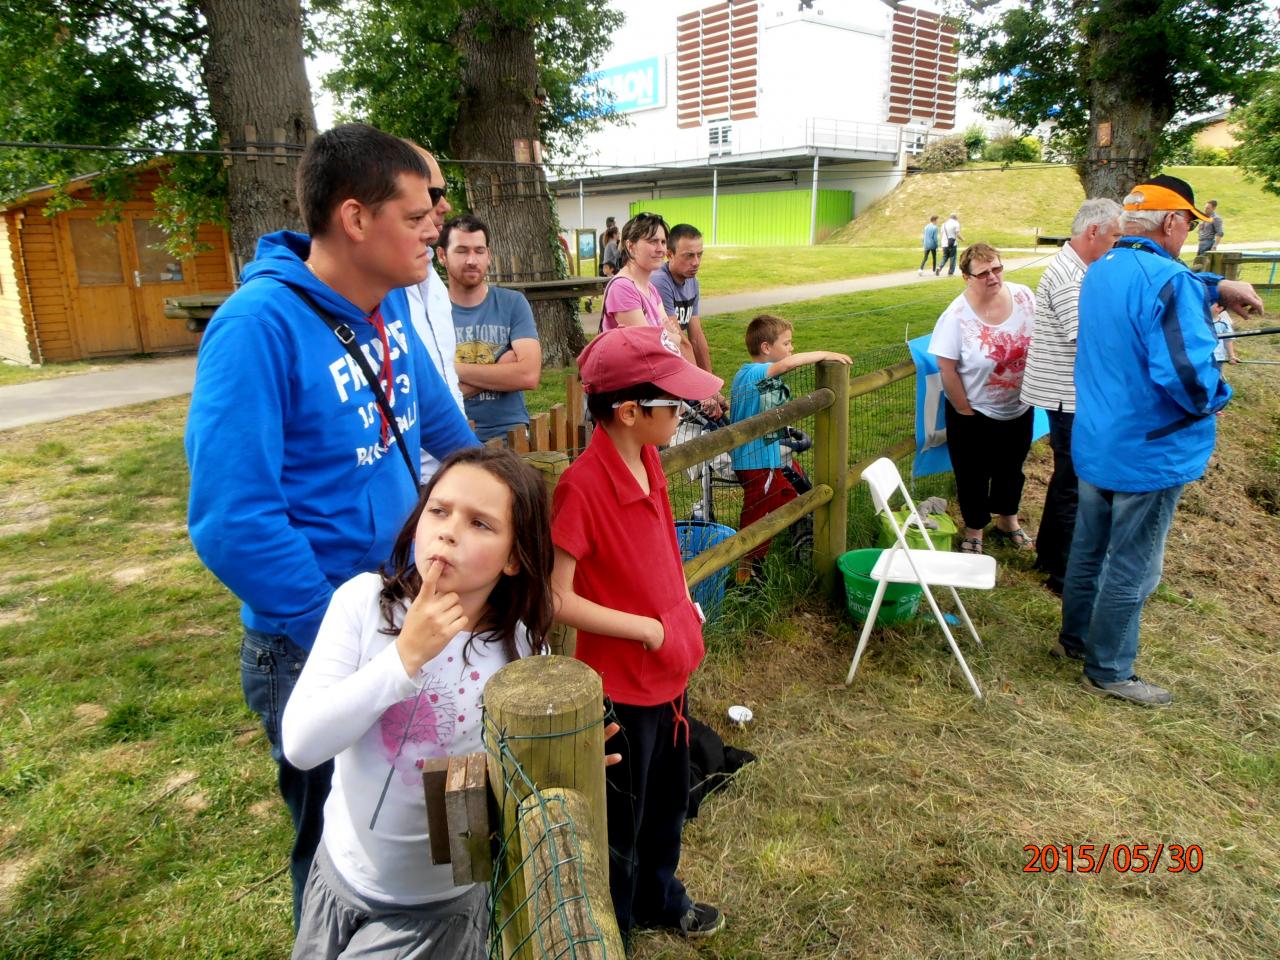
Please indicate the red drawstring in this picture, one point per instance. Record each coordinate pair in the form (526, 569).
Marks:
(385, 372)
(680, 719)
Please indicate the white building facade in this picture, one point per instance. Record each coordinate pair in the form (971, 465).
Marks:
(821, 99)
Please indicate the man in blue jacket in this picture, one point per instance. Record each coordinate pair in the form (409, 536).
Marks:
(1146, 393)
(298, 481)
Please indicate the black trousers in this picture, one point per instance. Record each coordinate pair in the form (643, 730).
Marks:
(1053, 539)
(986, 458)
(647, 796)
(931, 252)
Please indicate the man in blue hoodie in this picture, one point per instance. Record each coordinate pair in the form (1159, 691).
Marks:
(297, 479)
(1146, 392)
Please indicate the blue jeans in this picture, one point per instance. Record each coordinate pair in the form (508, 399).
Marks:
(1117, 554)
(269, 669)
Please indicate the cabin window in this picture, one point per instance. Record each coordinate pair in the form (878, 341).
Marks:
(155, 265)
(97, 252)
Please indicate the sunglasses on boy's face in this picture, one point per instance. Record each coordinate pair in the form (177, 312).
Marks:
(436, 194)
(678, 404)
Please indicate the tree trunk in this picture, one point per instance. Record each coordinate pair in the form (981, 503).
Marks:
(499, 106)
(1126, 108)
(255, 76)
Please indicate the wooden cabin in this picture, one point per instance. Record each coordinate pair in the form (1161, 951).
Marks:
(73, 289)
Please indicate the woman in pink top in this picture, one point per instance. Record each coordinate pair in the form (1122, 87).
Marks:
(629, 299)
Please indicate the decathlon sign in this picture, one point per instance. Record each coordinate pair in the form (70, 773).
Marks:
(626, 88)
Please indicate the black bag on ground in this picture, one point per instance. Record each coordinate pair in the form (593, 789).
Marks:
(711, 763)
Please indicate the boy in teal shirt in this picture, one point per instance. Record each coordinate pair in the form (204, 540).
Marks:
(756, 388)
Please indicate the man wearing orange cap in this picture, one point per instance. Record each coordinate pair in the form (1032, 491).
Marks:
(1146, 392)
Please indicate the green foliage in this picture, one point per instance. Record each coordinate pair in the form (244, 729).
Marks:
(401, 71)
(194, 192)
(1173, 55)
(113, 73)
(78, 71)
(1259, 121)
(945, 154)
(974, 141)
(1013, 149)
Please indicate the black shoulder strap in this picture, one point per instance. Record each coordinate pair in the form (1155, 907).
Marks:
(347, 337)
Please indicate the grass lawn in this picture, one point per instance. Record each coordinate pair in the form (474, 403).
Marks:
(1004, 207)
(741, 269)
(139, 815)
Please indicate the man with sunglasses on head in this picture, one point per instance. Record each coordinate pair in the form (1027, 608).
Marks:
(429, 306)
(1146, 392)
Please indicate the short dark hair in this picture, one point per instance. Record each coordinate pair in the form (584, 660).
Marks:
(353, 161)
(766, 328)
(523, 597)
(600, 405)
(682, 231)
(978, 251)
(640, 227)
(466, 223)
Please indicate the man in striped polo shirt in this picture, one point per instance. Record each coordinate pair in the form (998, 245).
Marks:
(1049, 382)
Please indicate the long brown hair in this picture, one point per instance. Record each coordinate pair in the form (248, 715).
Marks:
(521, 597)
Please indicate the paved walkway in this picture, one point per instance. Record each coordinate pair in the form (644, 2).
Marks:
(121, 385)
(128, 383)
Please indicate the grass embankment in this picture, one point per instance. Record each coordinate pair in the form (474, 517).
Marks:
(138, 808)
(1005, 207)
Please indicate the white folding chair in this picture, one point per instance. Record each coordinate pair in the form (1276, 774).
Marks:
(928, 567)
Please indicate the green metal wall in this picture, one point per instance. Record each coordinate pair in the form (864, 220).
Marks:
(775, 218)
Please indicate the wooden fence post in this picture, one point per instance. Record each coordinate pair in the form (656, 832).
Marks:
(831, 467)
(562, 640)
(546, 714)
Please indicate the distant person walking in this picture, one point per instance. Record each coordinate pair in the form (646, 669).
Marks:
(930, 245)
(1210, 231)
(951, 237)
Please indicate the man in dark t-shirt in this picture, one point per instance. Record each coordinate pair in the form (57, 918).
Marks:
(677, 284)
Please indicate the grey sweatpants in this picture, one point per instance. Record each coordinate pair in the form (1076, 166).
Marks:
(339, 922)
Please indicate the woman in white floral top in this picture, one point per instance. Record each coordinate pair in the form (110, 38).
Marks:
(980, 342)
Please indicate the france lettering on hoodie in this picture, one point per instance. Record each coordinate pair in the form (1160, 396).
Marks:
(292, 492)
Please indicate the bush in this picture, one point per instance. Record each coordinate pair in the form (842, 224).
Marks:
(1210, 157)
(1011, 149)
(974, 142)
(945, 154)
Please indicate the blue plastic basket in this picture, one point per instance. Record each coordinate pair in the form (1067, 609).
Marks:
(696, 536)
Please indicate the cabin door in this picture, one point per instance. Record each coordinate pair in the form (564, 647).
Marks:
(101, 286)
(156, 274)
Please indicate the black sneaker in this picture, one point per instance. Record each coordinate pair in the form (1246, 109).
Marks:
(702, 920)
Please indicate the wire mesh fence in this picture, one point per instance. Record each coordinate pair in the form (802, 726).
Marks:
(1262, 269)
(540, 903)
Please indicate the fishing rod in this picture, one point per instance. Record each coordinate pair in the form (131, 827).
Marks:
(1265, 331)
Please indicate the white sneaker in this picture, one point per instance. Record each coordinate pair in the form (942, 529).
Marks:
(919, 273)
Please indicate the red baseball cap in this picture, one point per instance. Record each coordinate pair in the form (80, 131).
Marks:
(625, 356)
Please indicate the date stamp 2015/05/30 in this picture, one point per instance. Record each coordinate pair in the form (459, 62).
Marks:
(1120, 857)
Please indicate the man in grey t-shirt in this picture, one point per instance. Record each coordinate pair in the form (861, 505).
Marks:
(499, 355)
(677, 284)
(1210, 230)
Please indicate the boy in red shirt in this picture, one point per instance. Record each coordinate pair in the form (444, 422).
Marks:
(618, 578)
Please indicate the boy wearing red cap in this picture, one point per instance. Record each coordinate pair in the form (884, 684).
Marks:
(619, 580)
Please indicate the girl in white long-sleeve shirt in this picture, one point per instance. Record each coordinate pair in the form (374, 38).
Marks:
(395, 677)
